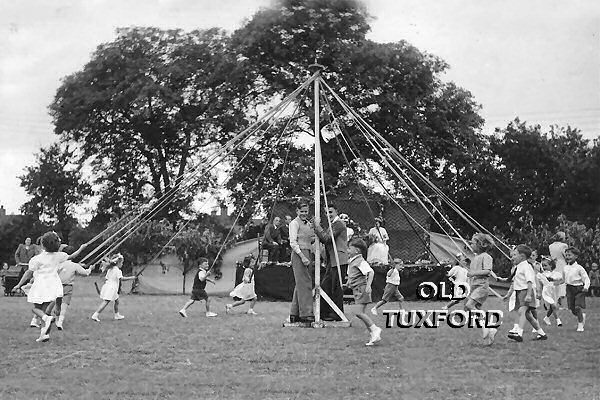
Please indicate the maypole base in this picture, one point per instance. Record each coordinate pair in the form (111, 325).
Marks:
(320, 324)
(297, 324)
(336, 324)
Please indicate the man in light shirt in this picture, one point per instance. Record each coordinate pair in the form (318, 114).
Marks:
(302, 237)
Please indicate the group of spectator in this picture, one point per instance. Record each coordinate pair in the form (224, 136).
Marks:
(276, 239)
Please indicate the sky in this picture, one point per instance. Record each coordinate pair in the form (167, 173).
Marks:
(535, 59)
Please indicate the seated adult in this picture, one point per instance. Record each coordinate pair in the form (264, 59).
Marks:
(285, 252)
(272, 239)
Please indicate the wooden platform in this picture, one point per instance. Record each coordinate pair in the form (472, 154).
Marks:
(321, 324)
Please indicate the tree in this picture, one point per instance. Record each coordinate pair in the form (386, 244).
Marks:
(56, 187)
(288, 173)
(396, 87)
(544, 174)
(146, 106)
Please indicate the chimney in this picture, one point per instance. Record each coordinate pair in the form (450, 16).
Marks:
(2, 212)
(223, 210)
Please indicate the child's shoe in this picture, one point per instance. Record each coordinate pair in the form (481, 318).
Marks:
(211, 314)
(547, 321)
(183, 313)
(59, 323)
(48, 319)
(252, 312)
(558, 322)
(95, 317)
(43, 338)
(34, 323)
(580, 327)
(119, 316)
(491, 336)
(375, 336)
(515, 336)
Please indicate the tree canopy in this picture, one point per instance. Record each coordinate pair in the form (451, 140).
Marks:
(56, 187)
(146, 106)
(152, 103)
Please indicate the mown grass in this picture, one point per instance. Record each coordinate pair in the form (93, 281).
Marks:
(156, 354)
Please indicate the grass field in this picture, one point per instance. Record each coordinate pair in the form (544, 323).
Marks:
(156, 354)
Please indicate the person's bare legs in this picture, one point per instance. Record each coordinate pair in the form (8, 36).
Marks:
(101, 307)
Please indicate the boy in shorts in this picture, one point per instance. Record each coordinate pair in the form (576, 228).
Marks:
(67, 271)
(392, 283)
(360, 277)
(198, 290)
(524, 282)
(578, 282)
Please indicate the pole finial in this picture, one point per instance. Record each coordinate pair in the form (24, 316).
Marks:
(316, 67)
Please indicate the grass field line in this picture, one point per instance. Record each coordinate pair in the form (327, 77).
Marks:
(59, 359)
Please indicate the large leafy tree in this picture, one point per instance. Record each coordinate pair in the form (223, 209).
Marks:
(394, 86)
(146, 106)
(536, 175)
(56, 187)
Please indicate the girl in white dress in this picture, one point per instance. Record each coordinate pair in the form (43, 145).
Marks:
(110, 289)
(378, 252)
(549, 290)
(245, 292)
(47, 286)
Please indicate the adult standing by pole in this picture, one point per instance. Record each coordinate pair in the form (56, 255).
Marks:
(557, 253)
(301, 242)
(331, 283)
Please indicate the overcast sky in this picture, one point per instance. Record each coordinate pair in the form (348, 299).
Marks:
(539, 60)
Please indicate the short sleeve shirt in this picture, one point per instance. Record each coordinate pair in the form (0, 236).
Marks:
(481, 262)
(47, 263)
(459, 273)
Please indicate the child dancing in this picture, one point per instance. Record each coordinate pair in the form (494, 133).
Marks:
(547, 289)
(360, 277)
(392, 283)
(110, 289)
(578, 282)
(245, 292)
(480, 270)
(199, 290)
(525, 296)
(46, 286)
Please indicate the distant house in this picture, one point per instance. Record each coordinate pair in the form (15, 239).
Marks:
(8, 218)
(224, 220)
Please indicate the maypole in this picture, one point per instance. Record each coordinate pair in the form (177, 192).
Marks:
(317, 68)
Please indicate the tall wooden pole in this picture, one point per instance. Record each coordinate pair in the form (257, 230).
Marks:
(317, 296)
